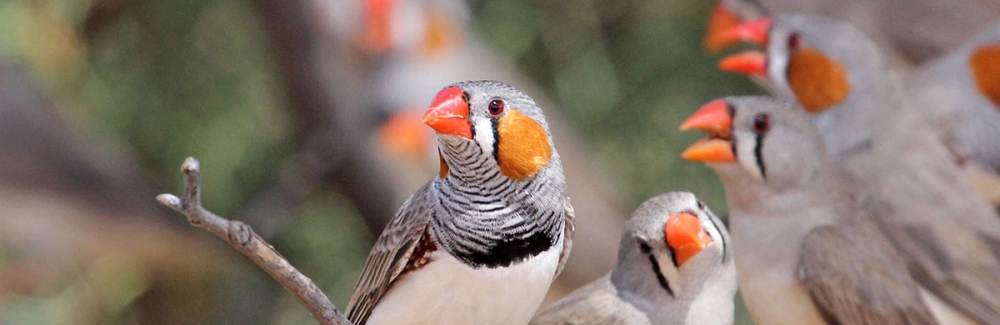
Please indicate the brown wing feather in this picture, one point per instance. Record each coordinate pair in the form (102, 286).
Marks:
(933, 218)
(568, 231)
(969, 285)
(388, 258)
(596, 303)
(854, 276)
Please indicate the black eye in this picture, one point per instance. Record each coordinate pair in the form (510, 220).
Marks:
(496, 107)
(644, 248)
(701, 206)
(761, 123)
(793, 42)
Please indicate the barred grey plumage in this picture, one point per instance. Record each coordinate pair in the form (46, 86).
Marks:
(648, 285)
(479, 216)
(895, 162)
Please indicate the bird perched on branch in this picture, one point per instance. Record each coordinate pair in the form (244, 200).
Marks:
(806, 252)
(892, 159)
(429, 43)
(675, 266)
(482, 241)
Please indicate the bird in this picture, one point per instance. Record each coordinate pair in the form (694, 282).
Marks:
(904, 175)
(433, 43)
(908, 32)
(675, 266)
(960, 95)
(805, 250)
(482, 241)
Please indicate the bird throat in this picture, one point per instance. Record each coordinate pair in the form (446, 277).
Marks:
(985, 66)
(818, 81)
(443, 172)
(523, 147)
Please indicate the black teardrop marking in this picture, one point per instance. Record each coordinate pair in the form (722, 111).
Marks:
(721, 237)
(659, 275)
(673, 256)
(758, 146)
(496, 140)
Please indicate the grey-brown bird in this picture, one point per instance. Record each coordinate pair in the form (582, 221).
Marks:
(675, 266)
(909, 32)
(482, 241)
(806, 252)
(960, 94)
(901, 170)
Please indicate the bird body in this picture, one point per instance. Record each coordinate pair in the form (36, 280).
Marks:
(431, 43)
(909, 32)
(599, 303)
(483, 240)
(797, 230)
(674, 267)
(897, 166)
(960, 93)
(455, 293)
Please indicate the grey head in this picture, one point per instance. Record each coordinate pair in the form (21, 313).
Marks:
(507, 128)
(774, 142)
(666, 280)
(766, 148)
(836, 73)
(501, 190)
(960, 95)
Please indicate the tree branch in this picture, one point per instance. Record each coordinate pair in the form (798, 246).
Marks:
(244, 239)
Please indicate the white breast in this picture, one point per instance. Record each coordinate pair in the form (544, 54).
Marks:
(449, 292)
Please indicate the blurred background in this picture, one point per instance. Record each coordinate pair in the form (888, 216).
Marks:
(305, 117)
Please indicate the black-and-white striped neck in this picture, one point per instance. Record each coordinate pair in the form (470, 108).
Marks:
(485, 219)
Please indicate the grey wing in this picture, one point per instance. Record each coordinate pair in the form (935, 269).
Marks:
(936, 220)
(970, 280)
(389, 256)
(596, 303)
(854, 278)
(568, 231)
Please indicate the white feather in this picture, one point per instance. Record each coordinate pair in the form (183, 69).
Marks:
(446, 291)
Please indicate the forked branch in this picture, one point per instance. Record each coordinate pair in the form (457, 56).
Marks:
(244, 239)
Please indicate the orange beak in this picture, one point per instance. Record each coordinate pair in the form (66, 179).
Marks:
(375, 36)
(753, 31)
(449, 113)
(753, 63)
(715, 119)
(720, 22)
(685, 236)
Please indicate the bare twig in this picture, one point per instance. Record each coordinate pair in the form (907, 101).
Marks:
(244, 239)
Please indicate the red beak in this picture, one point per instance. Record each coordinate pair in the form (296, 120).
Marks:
(753, 31)
(449, 113)
(713, 118)
(720, 22)
(753, 63)
(685, 236)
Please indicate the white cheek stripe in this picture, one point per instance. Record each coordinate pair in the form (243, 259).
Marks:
(670, 272)
(747, 157)
(484, 135)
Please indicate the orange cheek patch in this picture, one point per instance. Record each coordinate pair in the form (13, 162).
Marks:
(524, 146)
(817, 81)
(985, 65)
